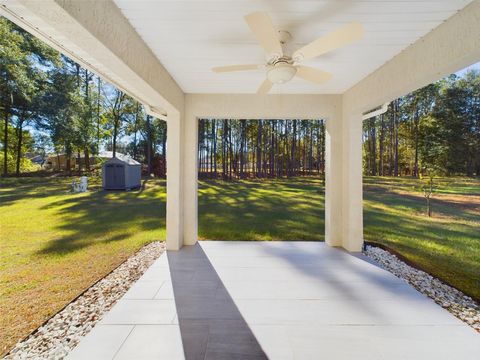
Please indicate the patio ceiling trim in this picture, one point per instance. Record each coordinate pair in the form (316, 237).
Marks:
(252, 106)
(450, 47)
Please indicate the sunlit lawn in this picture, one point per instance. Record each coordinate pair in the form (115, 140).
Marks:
(446, 245)
(282, 209)
(54, 244)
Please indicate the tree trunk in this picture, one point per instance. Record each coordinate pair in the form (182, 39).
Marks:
(19, 145)
(135, 130)
(233, 157)
(224, 152)
(114, 139)
(415, 166)
(322, 147)
(79, 160)
(381, 145)
(68, 161)
(164, 152)
(68, 164)
(149, 146)
(242, 149)
(259, 148)
(214, 139)
(294, 144)
(5, 141)
(99, 84)
(86, 155)
(374, 146)
(396, 120)
(90, 119)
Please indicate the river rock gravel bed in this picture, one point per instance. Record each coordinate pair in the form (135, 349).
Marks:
(59, 335)
(459, 304)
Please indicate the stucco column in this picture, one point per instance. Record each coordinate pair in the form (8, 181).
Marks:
(333, 183)
(343, 183)
(175, 138)
(352, 194)
(190, 183)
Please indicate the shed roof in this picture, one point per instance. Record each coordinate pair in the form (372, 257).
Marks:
(126, 159)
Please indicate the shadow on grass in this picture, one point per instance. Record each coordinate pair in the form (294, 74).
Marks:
(13, 189)
(103, 217)
(291, 209)
(466, 210)
(445, 245)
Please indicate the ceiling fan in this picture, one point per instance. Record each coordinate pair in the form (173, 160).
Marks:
(282, 66)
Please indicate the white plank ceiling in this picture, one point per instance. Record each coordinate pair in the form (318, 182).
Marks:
(190, 37)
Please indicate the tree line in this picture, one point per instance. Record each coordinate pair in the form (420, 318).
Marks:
(434, 130)
(50, 104)
(431, 131)
(239, 149)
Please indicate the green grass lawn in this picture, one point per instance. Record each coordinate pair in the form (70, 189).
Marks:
(446, 245)
(282, 209)
(54, 244)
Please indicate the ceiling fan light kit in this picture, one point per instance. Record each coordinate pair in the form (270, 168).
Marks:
(281, 73)
(281, 67)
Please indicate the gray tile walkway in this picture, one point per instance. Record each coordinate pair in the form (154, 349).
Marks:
(276, 300)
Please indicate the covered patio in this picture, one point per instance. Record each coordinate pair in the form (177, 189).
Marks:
(130, 44)
(274, 300)
(258, 300)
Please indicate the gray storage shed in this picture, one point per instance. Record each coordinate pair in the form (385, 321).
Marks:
(121, 173)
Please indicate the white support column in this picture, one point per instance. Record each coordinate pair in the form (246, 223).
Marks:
(343, 183)
(190, 180)
(175, 138)
(333, 183)
(352, 199)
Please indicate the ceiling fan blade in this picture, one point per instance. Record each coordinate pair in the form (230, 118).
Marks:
(221, 69)
(265, 87)
(266, 34)
(312, 74)
(334, 40)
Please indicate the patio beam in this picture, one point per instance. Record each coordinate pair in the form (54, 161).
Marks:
(97, 35)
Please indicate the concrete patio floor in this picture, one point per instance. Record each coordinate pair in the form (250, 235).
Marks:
(275, 300)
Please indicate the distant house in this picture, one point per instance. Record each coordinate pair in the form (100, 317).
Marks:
(59, 161)
(36, 159)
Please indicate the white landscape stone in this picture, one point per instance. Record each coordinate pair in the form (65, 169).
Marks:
(59, 335)
(456, 302)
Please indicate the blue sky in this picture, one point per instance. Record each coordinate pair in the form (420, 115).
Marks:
(474, 66)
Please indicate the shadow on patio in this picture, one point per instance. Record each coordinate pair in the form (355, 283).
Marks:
(210, 323)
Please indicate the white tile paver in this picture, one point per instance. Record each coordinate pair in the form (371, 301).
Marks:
(144, 290)
(140, 312)
(148, 342)
(103, 342)
(294, 300)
